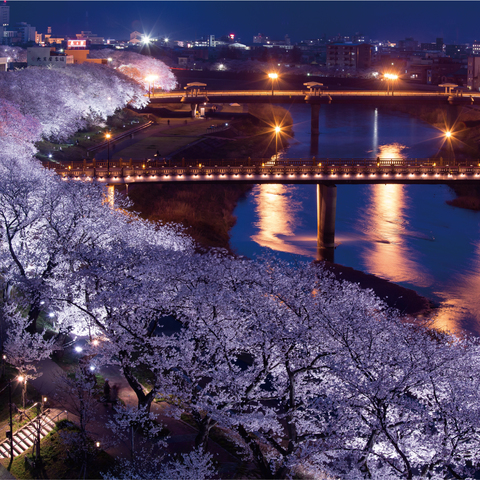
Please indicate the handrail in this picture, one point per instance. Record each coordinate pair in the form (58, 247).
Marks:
(278, 92)
(119, 137)
(146, 164)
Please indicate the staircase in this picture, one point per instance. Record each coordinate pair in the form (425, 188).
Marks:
(25, 437)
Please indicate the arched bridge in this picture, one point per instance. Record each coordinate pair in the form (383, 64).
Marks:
(326, 173)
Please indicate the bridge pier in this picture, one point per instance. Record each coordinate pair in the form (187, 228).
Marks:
(314, 145)
(315, 118)
(194, 107)
(326, 210)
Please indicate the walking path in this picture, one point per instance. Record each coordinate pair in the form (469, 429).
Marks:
(181, 436)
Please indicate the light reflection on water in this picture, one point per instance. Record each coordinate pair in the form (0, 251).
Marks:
(385, 224)
(402, 233)
(460, 302)
(276, 209)
(384, 221)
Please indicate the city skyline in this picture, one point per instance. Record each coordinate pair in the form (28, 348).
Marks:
(380, 20)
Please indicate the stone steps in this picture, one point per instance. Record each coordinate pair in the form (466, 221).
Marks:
(25, 437)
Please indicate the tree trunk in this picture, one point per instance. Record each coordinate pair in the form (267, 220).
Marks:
(33, 314)
(144, 400)
(205, 424)
(261, 462)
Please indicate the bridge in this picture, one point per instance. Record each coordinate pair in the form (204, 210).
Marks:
(326, 173)
(197, 94)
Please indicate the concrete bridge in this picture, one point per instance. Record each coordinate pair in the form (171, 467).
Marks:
(326, 173)
(316, 96)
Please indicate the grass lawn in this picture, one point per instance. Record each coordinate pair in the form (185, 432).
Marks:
(149, 146)
(195, 129)
(177, 136)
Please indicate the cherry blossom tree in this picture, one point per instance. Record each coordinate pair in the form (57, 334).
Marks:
(23, 349)
(15, 54)
(82, 93)
(18, 133)
(139, 67)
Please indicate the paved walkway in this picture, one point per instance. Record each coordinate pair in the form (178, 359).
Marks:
(182, 435)
(5, 474)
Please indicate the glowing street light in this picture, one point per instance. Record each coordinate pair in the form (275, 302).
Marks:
(23, 381)
(108, 136)
(151, 83)
(273, 77)
(277, 132)
(391, 78)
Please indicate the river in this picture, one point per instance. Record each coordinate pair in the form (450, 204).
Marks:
(407, 234)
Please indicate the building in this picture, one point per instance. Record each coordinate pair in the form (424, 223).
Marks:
(4, 64)
(4, 15)
(349, 55)
(46, 57)
(77, 50)
(409, 44)
(473, 73)
(92, 38)
(26, 32)
(260, 38)
(136, 38)
(476, 48)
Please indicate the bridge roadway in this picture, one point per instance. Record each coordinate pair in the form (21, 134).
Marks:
(285, 170)
(325, 173)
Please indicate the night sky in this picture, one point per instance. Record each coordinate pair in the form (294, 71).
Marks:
(185, 20)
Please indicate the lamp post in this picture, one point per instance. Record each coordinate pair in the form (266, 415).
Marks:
(108, 136)
(151, 84)
(23, 381)
(448, 138)
(273, 77)
(277, 131)
(391, 78)
(11, 420)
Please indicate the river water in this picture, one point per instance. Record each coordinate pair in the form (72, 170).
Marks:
(403, 233)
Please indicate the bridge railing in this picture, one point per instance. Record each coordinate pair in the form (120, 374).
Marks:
(163, 163)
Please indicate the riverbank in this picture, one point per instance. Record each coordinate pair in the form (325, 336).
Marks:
(405, 300)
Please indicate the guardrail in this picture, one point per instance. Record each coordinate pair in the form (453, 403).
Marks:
(150, 163)
(296, 171)
(119, 137)
(325, 91)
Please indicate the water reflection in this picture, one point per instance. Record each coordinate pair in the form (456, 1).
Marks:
(385, 222)
(460, 300)
(276, 210)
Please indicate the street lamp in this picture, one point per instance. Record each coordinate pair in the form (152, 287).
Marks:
(273, 77)
(11, 419)
(390, 77)
(151, 83)
(277, 132)
(108, 136)
(24, 390)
